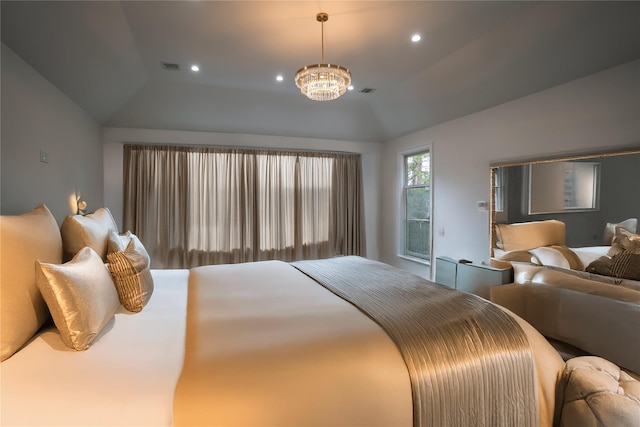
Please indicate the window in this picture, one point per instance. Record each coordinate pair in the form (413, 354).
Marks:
(498, 189)
(209, 205)
(417, 205)
(563, 186)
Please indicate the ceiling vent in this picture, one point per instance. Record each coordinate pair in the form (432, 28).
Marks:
(170, 66)
(367, 90)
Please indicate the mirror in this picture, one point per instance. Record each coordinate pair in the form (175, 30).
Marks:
(584, 191)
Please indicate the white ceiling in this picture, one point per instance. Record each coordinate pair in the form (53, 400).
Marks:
(106, 57)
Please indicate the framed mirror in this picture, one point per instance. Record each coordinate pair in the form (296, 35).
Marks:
(585, 191)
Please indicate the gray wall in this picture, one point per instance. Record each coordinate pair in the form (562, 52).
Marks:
(595, 113)
(619, 200)
(37, 116)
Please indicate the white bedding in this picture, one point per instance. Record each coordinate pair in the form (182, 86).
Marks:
(586, 254)
(280, 350)
(139, 359)
(129, 375)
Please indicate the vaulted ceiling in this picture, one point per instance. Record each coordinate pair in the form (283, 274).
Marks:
(107, 56)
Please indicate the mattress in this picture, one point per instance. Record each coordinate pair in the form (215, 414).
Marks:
(127, 377)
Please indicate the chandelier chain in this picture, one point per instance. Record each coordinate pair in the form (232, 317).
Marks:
(322, 35)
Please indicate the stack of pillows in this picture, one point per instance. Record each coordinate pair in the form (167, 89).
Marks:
(622, 260)
(542, 243)
(84, 293)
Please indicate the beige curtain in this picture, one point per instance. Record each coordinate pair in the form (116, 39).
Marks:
(208, 205)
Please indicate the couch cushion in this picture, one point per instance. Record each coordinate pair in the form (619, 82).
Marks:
(24, 239)
(530, 235)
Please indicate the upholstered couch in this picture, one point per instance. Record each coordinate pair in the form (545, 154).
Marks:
(597, 313)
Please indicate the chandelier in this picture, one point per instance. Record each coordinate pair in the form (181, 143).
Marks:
(323, 82)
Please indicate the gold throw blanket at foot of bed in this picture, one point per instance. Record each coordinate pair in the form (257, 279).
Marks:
(470, 363)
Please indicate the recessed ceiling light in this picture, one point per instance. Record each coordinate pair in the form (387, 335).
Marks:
(195, 68)
(279, 77)
(416, 38)
(350, 87)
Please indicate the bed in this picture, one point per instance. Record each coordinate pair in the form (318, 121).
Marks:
(265, 344)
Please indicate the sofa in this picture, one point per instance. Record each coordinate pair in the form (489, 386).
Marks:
(597, 313)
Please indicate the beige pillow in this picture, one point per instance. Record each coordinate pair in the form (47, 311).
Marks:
(80, 295)
(631, 225)
(619, 262)
(131, 275)
(627, 240)
(530, 235)
(558, 256)
(23, 239)
(119, 242)
(79, 231)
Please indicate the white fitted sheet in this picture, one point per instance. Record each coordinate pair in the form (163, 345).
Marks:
(127, 377)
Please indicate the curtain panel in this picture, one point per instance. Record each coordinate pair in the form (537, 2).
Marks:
(195, 206)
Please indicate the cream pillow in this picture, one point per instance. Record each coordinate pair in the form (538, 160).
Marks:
(131, 275)
(550, 256)
(558, 256)
(23, 239)
(631, 225)
(80, 295)
(79, 231)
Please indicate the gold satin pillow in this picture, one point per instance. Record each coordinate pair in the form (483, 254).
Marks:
(24, 239)
(131, 275)
(80, 295)
(79, 231)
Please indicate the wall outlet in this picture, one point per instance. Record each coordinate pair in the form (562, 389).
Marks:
(44, 156)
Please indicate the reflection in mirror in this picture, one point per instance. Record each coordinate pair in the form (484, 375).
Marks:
(562, 186)
(613, 194)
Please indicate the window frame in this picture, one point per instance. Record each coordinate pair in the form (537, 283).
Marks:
(402, 211)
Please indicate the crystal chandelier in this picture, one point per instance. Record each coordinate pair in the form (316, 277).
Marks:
(323, 82)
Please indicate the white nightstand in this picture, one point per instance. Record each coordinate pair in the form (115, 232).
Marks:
(470, 277)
